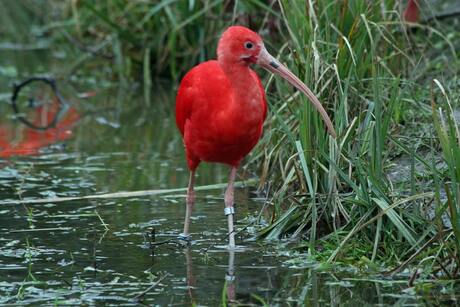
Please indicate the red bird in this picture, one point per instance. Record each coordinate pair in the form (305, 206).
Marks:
(221, 108)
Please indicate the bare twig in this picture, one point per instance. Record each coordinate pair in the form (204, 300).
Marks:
(42, 229)
(120, 194)
(140, 295)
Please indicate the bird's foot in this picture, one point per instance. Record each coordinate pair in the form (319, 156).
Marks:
(186, 239)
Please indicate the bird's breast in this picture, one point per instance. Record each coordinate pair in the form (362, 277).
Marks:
(242, 119)
(225, 113)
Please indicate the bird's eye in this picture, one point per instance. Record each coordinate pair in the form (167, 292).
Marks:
(248, 45)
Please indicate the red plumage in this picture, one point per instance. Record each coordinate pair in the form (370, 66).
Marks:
(220, 110)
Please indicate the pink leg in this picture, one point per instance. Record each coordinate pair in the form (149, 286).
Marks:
(229, 210)
(189, 206)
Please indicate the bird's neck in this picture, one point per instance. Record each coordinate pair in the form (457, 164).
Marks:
(241, 79)
(246, 106)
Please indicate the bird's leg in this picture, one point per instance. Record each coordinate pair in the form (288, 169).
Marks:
(229, 210)
(189, 206)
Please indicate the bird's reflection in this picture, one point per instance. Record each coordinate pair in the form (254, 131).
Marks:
(229, 279)
(191, 282)
(23, 140)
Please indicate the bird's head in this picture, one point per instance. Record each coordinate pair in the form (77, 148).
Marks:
(240, 46)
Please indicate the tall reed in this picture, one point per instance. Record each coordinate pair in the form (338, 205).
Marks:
(337, 193)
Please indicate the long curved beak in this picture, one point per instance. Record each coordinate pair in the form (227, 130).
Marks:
(271, 64)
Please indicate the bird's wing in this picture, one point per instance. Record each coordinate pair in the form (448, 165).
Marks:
(206, 87)
(185, 99)
(203, 87)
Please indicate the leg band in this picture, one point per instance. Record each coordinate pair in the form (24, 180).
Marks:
(229, 210)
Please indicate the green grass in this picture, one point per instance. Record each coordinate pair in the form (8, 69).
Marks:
(447, 132)
(337, 193)
(159, 37)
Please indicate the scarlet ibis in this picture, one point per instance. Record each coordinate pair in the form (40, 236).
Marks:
(221, 108)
